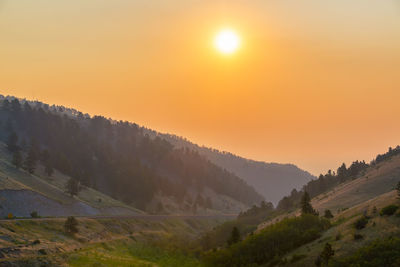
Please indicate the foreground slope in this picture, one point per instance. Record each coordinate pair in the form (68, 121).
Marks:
(364, 229)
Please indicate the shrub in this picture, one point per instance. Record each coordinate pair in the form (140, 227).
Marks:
(34, 214)
(327, 253)
(71, 225)
(358, 237)
(328, 214)
(361, 223)
(389, 210)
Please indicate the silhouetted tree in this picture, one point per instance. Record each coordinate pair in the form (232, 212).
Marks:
(327, 253)
(328, 214)
(235, 236)
(48, 166)
(306, 207)
(72, 187)
(31, 159)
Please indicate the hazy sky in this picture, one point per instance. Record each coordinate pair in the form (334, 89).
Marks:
(315, 82)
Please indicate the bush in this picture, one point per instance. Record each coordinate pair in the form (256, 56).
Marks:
(328, 214)
(71, 225)
(361, 223)
(34, 214)
(389, 210)
(358, 237)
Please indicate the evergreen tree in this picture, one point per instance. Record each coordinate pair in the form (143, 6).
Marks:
(73, 187)
(17, 159)
(327, 253)
(71, 225)
(306, 207)
(6, 105)
(328, 214)
(31, 160)
(48, 166)
(235, 236)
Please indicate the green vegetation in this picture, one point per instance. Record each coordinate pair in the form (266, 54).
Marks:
(306, 207)
(327, 253)
(271, 243)
(379, 253)
(235, 236)
(361, 223)
(246, 223)
(389, 210)
(34, 214)
(328, 214)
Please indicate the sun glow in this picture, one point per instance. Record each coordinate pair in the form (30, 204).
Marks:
(227, 41)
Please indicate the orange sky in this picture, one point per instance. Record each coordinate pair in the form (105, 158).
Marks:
(315, 83)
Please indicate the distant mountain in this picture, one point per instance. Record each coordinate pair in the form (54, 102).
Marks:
(272, 180)
(119, 159)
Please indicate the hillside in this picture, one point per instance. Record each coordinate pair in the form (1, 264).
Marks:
(272, 180)
(119, 160)
(22, 193)
(363, 222)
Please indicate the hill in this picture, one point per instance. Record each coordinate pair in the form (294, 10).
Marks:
(362, 225)
(119, 160)
(272, 180)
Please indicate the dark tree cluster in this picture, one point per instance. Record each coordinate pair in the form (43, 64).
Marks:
(323, 184)
(116, 158)
(390, 153)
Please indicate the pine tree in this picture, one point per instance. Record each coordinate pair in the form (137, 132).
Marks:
(306, 207)
(17, 159)
(31, 160)
(328, 214)
(235, 236)
(327, 253)
(73, 187)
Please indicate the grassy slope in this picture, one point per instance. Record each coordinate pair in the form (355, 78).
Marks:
(122, 242)
(51, 187)
(377, 227)
(348, 202)
(376, 181)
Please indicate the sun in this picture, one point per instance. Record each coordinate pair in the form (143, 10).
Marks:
(227, 41)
